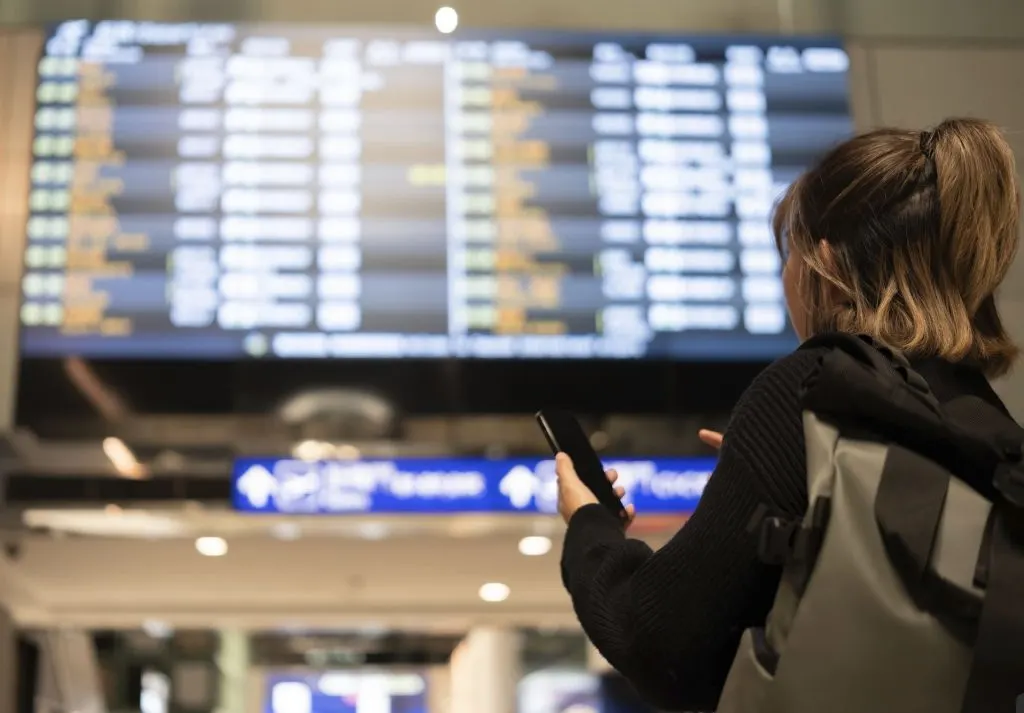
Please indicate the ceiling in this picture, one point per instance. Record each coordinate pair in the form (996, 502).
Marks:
(113, 568)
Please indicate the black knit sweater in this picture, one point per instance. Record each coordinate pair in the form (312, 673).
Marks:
(670, 621)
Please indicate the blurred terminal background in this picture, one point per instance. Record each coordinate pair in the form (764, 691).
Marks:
(282, 283)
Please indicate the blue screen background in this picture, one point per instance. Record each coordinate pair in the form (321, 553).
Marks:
(321, 702)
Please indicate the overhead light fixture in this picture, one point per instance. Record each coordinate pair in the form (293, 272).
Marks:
(157, 629)
(446, 20)
(373, 530)
(122, 458)
(212, 546)
(312, 450)
(287, 531)
(494, 592)
(535, 546)
(346, 451)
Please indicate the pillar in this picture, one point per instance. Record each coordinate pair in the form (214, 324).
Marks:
(485, 671)
(233, 664)
(8, 663)
(439, 690)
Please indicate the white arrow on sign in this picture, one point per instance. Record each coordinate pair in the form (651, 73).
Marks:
(258, 485)
(520, 486)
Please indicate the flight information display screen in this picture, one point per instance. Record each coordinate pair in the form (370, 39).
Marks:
(219, 191)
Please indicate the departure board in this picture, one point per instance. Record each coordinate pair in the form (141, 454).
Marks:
(225, 191)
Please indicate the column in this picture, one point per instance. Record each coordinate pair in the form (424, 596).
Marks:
(8, 663)
(485, 672)
(439, 690)
(233, 663)
(72, 662)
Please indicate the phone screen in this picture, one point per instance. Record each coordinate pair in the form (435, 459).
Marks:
(565, 435)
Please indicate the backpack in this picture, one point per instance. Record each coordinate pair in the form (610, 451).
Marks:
(902, 588)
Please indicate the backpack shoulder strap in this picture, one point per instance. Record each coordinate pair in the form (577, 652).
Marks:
(859, 380)
(997, 672)
(863, 348)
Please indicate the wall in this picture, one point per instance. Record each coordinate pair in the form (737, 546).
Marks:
(909, 84)
(991, 20)
(977, 19)
(17, 57)
(735, 14)
(312, 583)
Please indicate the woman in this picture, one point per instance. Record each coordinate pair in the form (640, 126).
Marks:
(901, 235)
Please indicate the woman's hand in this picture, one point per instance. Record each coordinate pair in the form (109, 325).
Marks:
(711, 438)
(573, 494)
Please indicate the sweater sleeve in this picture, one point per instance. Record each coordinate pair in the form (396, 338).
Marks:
(670, 621)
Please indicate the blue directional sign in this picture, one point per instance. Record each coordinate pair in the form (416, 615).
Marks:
(450, 485)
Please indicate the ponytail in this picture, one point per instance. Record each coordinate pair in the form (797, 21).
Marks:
(979, 215)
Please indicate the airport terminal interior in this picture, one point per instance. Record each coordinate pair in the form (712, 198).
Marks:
(283, 284)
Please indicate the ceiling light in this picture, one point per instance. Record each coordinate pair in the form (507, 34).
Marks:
(286, 531)
(311, 450)
(157, 629)
(373, 530)
(346, 451)
(535, 545)
(446, 20)
(212, 546)
(495, 592)
(122, 458)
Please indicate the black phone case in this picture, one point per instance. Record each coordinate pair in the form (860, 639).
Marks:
(564, 434)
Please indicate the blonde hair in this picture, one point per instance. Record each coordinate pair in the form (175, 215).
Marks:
(905, 236)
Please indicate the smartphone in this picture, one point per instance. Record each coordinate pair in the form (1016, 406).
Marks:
(565, 435)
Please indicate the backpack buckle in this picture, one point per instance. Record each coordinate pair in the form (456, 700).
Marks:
(778, 536)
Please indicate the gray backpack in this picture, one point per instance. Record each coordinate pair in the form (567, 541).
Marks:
(902, 588)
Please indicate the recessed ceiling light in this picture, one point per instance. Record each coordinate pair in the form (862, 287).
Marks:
(157, 629)
(312, 450)
(286, 531)
(495, 592)
(212, 546)
(446, 20)
(346, 451)
(535, 545)
(373, 530)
